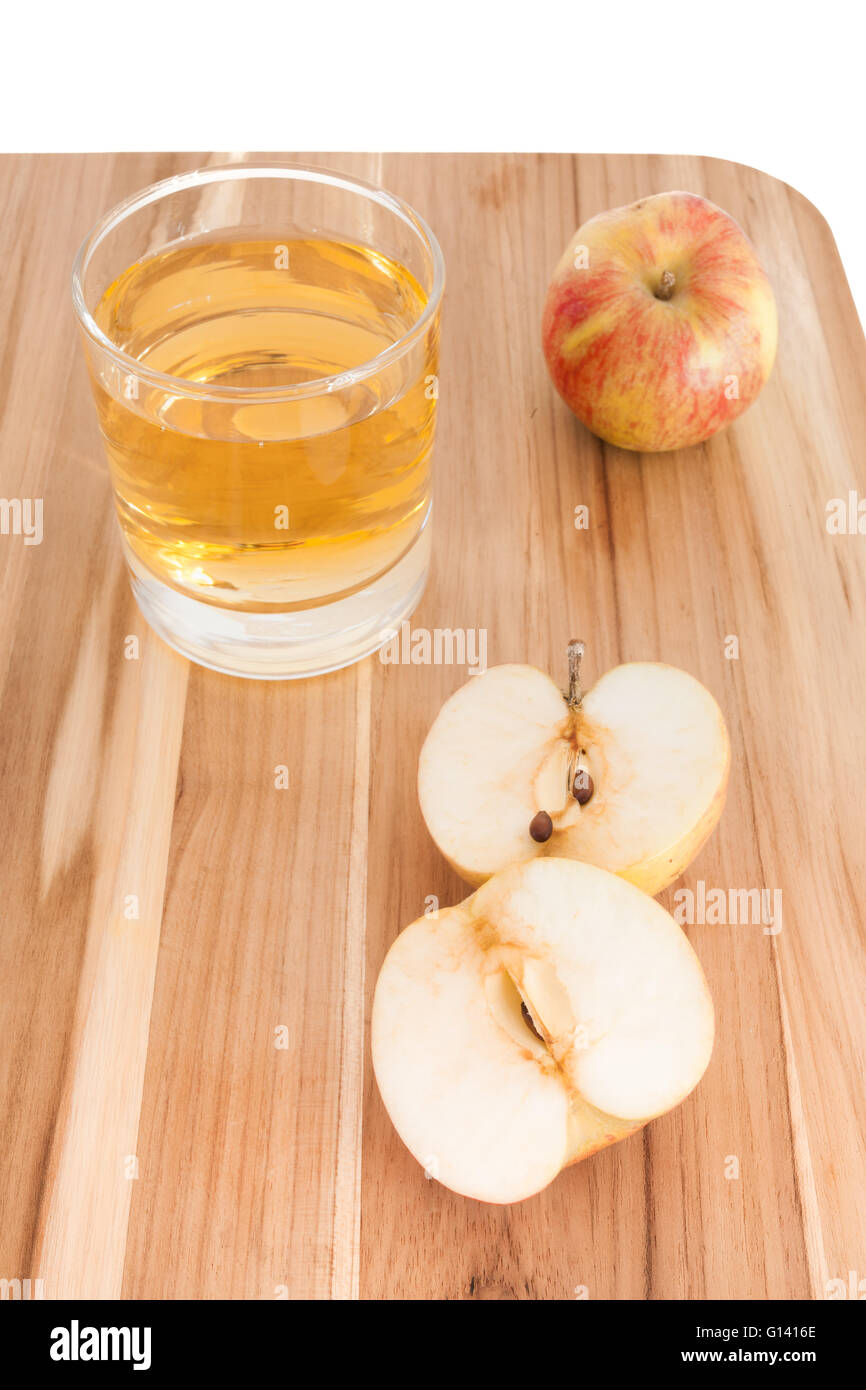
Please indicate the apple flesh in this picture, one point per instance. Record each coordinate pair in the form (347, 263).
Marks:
(552, 1013)
(508, 746)
(660, 324)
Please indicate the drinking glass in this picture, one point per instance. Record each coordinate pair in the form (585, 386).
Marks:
(262, 343)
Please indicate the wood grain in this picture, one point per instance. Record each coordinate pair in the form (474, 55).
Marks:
(186, 1102)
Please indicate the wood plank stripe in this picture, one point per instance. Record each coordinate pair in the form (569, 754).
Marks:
(345, 1269)
(94, 1163)
(806, 1186)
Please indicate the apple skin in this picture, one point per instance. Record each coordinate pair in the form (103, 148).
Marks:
(653, 374)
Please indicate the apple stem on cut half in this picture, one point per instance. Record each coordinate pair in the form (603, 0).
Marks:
(579, 784)
(576, 649)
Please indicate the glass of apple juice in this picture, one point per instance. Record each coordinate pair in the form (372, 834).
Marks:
(262, 343)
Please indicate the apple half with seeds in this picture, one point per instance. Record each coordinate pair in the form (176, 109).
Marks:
(630, 777)
(552, 1013)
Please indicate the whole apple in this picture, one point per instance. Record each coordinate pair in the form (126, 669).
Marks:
(660, 325)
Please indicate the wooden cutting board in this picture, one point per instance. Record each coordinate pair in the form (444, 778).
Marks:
(156, 1141)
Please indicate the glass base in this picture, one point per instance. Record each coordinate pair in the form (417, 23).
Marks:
(284, 646)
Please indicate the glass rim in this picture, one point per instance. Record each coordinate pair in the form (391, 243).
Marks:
(275, 169)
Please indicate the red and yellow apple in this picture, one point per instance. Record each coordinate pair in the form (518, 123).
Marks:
(660, 324)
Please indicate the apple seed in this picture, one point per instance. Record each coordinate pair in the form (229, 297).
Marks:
(583, 786)
(527, 1019)
(541, 827)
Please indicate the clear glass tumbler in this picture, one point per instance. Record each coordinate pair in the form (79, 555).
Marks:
(262, 342)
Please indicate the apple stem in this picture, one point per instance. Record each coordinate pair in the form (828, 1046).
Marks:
(667, 284)
(575, 655)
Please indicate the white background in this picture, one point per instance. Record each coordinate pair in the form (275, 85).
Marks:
(779, 86)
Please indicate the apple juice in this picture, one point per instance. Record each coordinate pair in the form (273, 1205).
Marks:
(262, 502)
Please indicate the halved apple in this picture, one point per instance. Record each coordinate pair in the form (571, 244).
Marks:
(552, 1013)
(630, 777)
